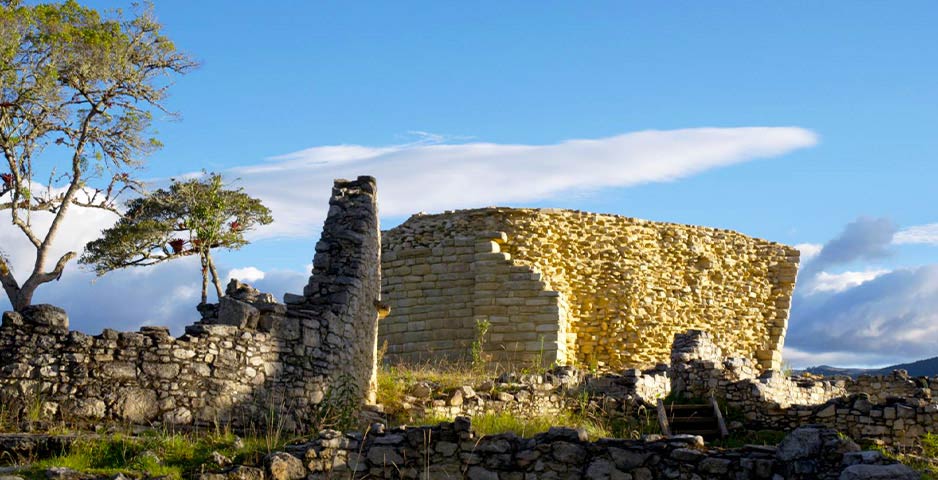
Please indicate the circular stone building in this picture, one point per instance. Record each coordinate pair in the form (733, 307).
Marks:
(581, 288)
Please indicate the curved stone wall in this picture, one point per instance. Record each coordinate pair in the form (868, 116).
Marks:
(575, 287)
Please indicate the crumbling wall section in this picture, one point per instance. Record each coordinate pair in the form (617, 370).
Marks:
(338, 311)
(247, 358)
(892, 409)
(595, 289)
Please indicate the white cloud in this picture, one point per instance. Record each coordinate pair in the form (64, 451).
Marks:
(838, 282)
(852, 359)
(79, 226)
(865, 316)
(927, 234)
(895, 314)
(431, 177)
(246, 274)
(808, 251)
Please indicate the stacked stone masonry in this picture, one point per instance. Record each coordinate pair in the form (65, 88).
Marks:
(453, 450)
(579, 288)
(891, 409)
(248, 355)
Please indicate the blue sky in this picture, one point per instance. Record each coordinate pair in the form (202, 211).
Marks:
(858, 78)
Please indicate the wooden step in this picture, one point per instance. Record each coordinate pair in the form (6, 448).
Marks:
(692, 419)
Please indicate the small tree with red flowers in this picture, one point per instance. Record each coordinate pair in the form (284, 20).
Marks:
(189, 218)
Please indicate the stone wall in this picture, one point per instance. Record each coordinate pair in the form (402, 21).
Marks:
(892, 409)
(248, 357)
(453, 450)
(573, 287)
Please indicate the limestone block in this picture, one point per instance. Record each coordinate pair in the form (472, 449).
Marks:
(46, 315)
(237, 313)
(137, 405)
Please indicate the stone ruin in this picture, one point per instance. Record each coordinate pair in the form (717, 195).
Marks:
(248, 356)
(570, 287)
(702, 312)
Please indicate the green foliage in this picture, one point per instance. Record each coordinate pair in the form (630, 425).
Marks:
(922, 457)
(73, 77)
(478, 345)
(537, 366)
(154, 454)
(596, 427)
(191, 217)
(340, 407)
(85, 85)
(394, 380)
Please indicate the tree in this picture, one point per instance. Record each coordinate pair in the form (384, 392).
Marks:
(78, 91)
(190, 218)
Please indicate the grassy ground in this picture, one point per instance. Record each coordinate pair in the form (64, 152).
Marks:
(394, 380)
(596, 427)
(923, 458)
(155, 454)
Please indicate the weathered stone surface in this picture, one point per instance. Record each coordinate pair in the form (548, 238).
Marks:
(879, 472)
(384, 456)
(602, 469)
(63, 473)
(46, 315)
(813, 451)
(283, 466)
(237, 313)
(90, 409)
(137, 405)
(242, 472)
(479, 473)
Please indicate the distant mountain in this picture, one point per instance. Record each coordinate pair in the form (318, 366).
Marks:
(829, 371)
(921, 368)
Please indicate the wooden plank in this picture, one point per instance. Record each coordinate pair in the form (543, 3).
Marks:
(724, 432)
(663, 418)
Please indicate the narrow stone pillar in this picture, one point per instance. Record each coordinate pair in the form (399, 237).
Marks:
(339, 312)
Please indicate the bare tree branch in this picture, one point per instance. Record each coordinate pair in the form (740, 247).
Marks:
(56, 272)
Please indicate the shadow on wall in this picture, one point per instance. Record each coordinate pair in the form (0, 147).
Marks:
(249, 363)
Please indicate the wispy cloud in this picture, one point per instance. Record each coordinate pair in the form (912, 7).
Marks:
(926, 234)
(426, 176)
(838, 282)
(809, 251)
